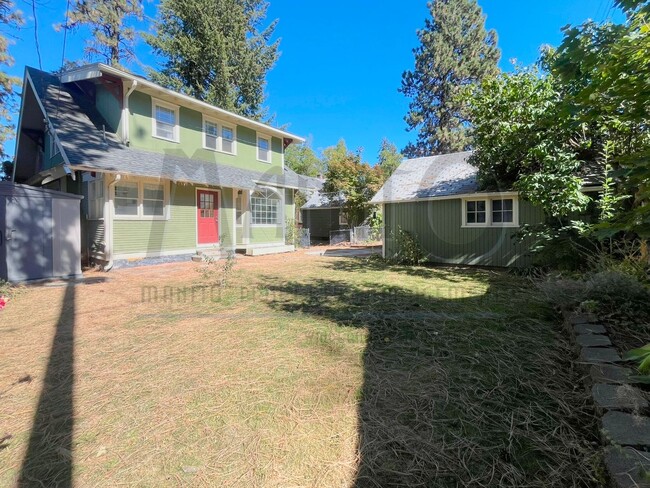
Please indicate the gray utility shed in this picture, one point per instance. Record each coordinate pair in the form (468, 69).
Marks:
(40, 233)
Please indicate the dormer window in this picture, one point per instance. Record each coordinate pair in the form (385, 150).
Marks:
(165, 121)
(218, 136)
(264, 149)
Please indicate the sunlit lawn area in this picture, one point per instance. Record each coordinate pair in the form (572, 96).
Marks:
(305, 371)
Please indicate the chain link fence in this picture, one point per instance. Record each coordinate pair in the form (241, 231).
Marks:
(340, 236)
(366, 235)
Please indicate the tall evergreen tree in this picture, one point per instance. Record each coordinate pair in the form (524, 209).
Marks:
(10, 18)
(215, 51)
(456, 50)
(112, 39)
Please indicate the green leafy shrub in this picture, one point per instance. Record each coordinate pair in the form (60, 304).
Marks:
(409, 250)
(641, 356)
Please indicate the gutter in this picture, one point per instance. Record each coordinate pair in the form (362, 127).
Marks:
(125, 112)
(108, 225)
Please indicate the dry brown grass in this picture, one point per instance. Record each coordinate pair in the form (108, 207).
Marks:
(308, 371)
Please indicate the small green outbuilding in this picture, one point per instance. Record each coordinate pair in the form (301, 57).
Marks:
(437, 200)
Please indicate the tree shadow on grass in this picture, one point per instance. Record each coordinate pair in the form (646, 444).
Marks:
(459, 389)
(49, 457)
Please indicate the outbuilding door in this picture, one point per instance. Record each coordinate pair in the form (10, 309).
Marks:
(207, 217)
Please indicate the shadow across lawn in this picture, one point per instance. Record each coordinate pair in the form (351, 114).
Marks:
(49, 457)
(459, 389)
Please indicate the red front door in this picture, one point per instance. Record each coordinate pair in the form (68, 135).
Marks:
(207, 216)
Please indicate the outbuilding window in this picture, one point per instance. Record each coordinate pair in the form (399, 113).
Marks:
(266, 207)
(495, 211)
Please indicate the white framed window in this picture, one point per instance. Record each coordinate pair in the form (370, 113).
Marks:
(343, 219)
(165, 120)
(227, 139)
(96, 199)
(475, 212)
(491, 211)
(126, 199)
(218, 136)
(210, 135)
(264, 148)
(266, 207)
(141, 200)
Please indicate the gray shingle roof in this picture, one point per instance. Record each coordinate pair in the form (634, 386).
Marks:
(320, 200)
(80, 128)
(434, 176)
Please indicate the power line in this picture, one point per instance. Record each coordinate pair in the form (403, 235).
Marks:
(38, 47)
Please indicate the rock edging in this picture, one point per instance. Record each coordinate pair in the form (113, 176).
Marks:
(623, 407)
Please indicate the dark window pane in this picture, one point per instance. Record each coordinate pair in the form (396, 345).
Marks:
(471, 206)
(496, 204)
(496, 217)
(508, 216)
(480, 205)
(507, 204)
(480, 217)
(471, 218)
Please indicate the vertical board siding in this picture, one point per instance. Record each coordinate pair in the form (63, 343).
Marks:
(109, 106)
(153, 236)
(320, 222)
(437, 225)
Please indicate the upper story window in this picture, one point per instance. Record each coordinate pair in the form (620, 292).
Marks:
(264, 149)
(218, 136)
(266, 207)
(165, 121)
(491, 212)
(141, 200)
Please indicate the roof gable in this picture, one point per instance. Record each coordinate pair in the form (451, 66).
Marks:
(430, 177)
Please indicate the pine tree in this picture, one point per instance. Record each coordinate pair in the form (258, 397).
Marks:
(9, 18)
(112, 40)
(215, 51)
(455, 51)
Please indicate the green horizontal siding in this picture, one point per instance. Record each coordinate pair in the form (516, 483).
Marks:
(438, 228)
(263, 235)
(153, 236)
(190, 143)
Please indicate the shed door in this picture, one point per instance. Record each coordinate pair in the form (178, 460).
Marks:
(26, 238)
(207, 217)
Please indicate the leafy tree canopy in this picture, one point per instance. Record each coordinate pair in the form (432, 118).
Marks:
(359, 181)
(455, 51)
(302, 159)
(389, 158)
(215, 51)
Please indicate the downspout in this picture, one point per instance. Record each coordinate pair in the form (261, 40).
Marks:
(125, 113)
(108, 225)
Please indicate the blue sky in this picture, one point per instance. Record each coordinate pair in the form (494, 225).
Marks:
(341, 61)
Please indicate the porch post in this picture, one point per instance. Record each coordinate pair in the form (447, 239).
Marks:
(246, 217)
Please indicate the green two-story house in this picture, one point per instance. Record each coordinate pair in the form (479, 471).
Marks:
(162, 173)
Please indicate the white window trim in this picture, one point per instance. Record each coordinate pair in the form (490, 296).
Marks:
(98, 181)
(342, 219)
(488, 211)
(157, 102)
(140, 215)
(280, 210)
(220, 125)
(257, 148)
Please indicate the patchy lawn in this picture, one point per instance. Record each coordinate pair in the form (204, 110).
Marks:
(306, 371)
